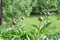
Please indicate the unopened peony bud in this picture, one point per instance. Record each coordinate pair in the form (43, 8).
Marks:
(22, 18)
(14, 22)
(47, 14)
(41, 18)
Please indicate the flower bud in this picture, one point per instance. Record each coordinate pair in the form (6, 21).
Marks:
(14, 22)
(46, 38)
(47, 14)
(22, 18)
(41, 18)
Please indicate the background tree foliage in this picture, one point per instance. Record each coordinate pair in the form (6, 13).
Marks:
(50, 5)
(16, 8)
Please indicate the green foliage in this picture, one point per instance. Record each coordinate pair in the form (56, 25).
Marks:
(30, 30)
(17, 33)
(20, 31)
(47, 5)
(16, 8)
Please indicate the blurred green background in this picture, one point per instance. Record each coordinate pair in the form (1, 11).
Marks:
(31, 28)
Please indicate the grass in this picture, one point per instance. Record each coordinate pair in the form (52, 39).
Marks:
(52, 28)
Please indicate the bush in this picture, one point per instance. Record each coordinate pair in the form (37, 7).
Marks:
(16, 8)
(47, 5)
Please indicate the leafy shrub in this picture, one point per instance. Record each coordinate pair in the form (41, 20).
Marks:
(47, 5)
(16, 8)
